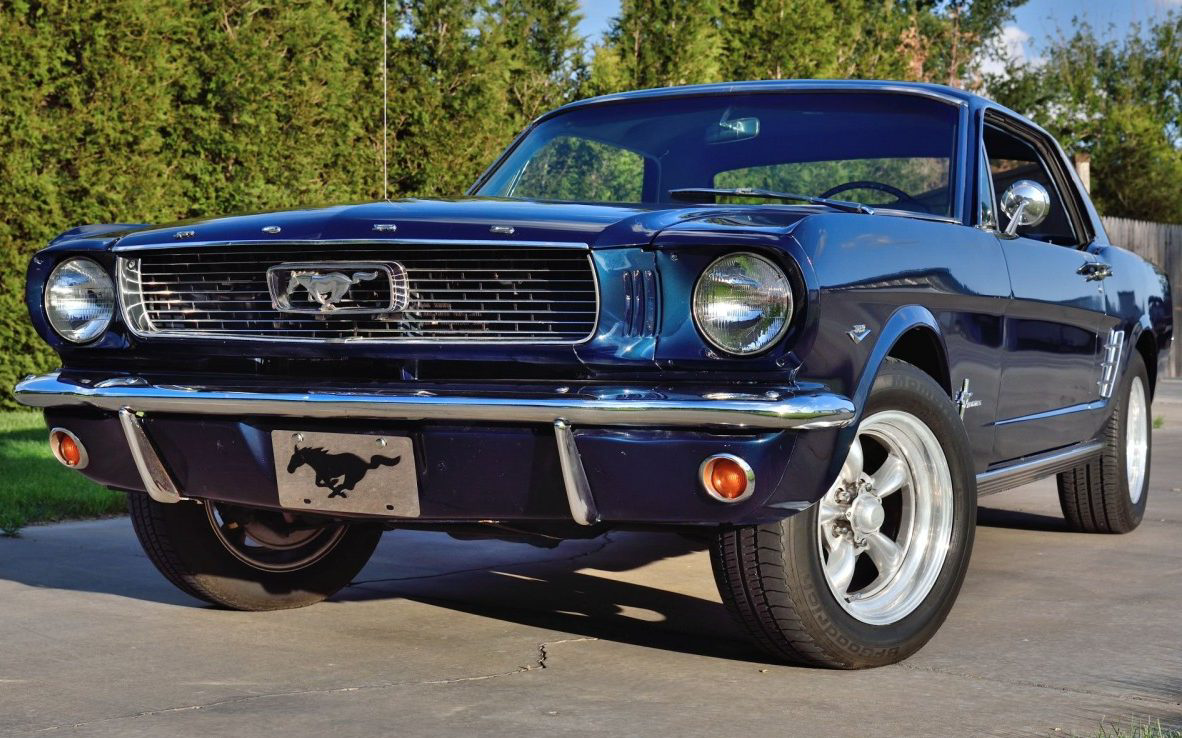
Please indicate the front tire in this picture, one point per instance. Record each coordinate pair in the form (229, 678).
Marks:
(247, 559)
(1108, 494)
(866, 576)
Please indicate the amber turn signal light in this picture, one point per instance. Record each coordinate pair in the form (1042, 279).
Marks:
(67, 449)
(727, 478)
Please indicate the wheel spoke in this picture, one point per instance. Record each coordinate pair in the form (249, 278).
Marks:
(828, 511)
(890, 477)
(840, 566)
(852, 468)
(885, 553)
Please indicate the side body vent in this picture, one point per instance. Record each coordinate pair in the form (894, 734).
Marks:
(1109, 367)
(642, 303)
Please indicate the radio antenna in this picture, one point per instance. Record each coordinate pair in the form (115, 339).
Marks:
(385, 106)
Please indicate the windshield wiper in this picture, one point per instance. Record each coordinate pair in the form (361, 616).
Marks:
(686, 194)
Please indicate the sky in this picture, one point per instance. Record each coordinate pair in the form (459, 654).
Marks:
(1034, 25)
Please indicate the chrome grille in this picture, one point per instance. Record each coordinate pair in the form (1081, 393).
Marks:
(457, 293)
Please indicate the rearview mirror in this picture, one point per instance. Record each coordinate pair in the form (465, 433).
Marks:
(735, 129)
(1025, 203)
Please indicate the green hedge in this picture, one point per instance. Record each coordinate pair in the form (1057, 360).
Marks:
(157, 110)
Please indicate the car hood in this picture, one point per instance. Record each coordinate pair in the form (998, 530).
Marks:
(465, 220)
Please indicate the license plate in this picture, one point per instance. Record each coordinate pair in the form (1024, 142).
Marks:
(346, 473)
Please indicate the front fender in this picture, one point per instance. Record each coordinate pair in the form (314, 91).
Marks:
(902, 320)
(896, 326)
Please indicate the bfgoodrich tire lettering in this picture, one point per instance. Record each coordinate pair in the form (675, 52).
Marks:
(772, 577)
(181, 541)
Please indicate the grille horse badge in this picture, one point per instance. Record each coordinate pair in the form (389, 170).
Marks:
(339, 287)
(326, 289)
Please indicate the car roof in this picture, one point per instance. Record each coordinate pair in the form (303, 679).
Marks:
(947, 94)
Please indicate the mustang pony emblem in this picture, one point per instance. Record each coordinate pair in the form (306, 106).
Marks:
(325, 289)
(338, 473)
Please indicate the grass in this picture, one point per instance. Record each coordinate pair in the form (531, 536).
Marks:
(1159, 421)
(34, 488)
(1138, 729)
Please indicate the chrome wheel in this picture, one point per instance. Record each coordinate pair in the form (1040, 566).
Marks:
(1136, 439)
(272, 541)
(884, 527)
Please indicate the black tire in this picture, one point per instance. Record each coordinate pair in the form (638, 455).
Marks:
(181, 541)
(771, 578)
(1095, 496)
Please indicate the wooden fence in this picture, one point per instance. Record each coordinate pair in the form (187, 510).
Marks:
(1161, 244)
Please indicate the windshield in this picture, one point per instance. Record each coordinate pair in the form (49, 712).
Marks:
(883, 150)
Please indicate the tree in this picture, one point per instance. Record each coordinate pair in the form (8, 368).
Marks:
(779, 39)
(546, 55)
(658, 43)
(667, 42)
(1119, 101)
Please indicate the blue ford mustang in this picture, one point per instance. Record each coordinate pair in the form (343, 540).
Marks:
(811, 320)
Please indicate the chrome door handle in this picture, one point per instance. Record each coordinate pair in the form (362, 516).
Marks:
(1094, 271)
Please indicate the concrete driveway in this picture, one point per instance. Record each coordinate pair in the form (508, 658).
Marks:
(622, 635)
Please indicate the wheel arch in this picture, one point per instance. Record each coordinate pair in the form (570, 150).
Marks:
(910, 334)
(1145, 343)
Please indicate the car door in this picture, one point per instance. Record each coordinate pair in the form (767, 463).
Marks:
(1052, 344)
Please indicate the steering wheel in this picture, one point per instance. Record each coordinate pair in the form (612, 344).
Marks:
(869, 184)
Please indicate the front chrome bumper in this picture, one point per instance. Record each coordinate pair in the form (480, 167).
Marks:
(794, 408)
(781, 409)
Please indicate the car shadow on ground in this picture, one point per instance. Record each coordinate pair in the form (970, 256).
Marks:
(593, 594)
(590, 589)
(993, 517)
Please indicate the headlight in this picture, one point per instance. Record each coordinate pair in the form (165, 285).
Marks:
(743, 303)
(79, 300)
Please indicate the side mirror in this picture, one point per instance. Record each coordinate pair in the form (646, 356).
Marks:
(1025, 203)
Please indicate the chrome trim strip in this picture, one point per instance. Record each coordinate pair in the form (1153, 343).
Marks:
(1080, 408)
(372, 241)
(156, 479)
(1035, 468)
(574, 477)
(641, 408)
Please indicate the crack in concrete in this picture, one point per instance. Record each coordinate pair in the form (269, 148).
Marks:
(543, 655)
(1036, 685)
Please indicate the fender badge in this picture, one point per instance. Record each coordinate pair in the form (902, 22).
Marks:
(504, 229)
(858, 333)
(271, 229)
(964, 399)
(385, 227)
(184, 234)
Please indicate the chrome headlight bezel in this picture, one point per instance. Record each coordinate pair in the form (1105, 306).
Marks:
(780, 290)
(99, 288)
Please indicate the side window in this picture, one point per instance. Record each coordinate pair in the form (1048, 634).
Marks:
(1012, 159)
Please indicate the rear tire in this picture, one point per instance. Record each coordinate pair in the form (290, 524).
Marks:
(1108, 494)
(208, 551)
(788, 583)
